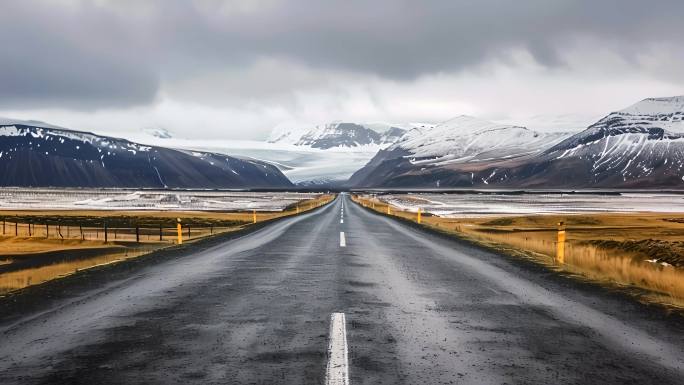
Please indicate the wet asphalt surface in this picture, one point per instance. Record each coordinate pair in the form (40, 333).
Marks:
(420, 309)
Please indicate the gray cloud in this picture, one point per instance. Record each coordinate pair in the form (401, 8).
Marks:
(80, 57)
(82, 54)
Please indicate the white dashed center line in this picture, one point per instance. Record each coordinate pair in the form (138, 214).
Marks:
(343, 241)
(337, 372)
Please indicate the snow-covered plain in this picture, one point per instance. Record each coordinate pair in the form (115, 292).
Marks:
(482, 205)
(96, 199)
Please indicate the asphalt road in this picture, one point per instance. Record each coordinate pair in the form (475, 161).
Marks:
(410, 308)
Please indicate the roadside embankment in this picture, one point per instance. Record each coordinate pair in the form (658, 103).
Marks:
(641, 252)
(41, 245)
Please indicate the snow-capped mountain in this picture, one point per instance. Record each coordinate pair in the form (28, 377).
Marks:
(336, 135)
(391, 135)
(325, 154)
(466, 138)
(641, 146)
(461, 140)
(38, 154)
(157, 132)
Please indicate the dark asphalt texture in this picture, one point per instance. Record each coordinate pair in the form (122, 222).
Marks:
(420, 309)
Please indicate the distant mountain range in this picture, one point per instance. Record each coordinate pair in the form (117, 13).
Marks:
(327, 154)
(341, 135)
(641, 146)
(38, 154)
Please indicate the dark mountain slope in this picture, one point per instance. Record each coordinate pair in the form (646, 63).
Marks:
(32, 155)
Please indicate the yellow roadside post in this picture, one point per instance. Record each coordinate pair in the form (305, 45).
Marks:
(389, 212)
(180, 231)
(297, 208)
(560, 245)
(254, 216)
(418, 219)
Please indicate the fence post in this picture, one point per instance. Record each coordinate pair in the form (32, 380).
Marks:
(419, 219)
(560, 245)
(105, 231)
(16, 229)
(137, 234)
(180, 232)
(254, 216)
(47, 231)
(80, 227)
(161, 232)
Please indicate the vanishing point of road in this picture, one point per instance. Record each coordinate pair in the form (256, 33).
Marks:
(335, 296)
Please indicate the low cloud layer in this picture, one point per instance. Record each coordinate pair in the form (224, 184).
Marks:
(326, 60)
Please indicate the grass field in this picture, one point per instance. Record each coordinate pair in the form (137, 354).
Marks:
(639, 250)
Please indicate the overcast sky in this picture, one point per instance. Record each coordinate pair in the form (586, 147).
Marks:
(235, 69)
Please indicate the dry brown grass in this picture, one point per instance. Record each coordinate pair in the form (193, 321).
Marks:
(19, 279)
(602, 247)
(31, 245)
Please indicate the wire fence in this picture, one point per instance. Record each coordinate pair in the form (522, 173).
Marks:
(106, 233)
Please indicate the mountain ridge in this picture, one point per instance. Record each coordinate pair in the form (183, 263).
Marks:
(641, 146)
(337, 134)
(35, 156)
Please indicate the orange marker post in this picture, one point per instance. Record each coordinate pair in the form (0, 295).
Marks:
(180, 232)
(560, 245)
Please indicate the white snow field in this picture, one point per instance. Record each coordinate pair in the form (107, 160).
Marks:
(301, 164)
(482, 205)
(124, 199)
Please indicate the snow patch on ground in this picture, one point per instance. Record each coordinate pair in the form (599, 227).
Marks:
(483, 205)
(122, 199)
